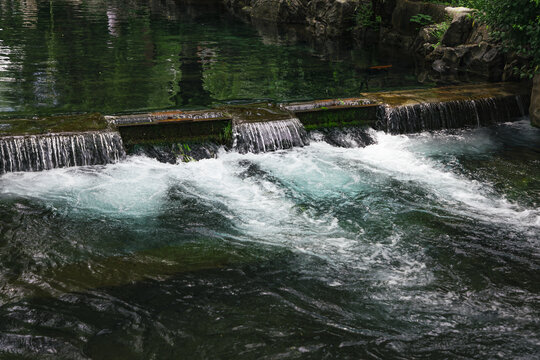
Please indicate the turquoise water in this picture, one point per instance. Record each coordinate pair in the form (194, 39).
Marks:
(66, 56)
(419, 246)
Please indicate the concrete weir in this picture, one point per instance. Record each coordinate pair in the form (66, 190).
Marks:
(256, 127)
(431, 109)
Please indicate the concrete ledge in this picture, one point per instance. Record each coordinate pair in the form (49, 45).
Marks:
(38, 125)
(171, 131)
(338, 116)
(449, 93)
(215, 125)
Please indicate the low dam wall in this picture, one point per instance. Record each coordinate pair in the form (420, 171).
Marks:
(44, 143)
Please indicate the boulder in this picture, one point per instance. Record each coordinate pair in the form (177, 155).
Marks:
(534, 110)
(478, 34)
(331, 17)
(384, 9)
(470, 62)
(279, 11)
(425, 38)
(456, 12)
(459, 31)
(393, 40)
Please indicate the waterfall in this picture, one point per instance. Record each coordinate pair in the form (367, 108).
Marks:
(44, 152)
(452, 114)
(269, 135)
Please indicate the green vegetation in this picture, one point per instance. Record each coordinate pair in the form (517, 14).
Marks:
(365, 17)
(182, 152)
(516, 23)
(438, 31)
(227, 133)
(422, 19)
(329, 118)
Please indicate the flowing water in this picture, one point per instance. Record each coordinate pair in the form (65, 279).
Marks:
(256, 137)
(416, 246)
(340, 243)
(451, 114)
(45, 152)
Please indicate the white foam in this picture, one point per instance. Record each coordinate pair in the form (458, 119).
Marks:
(394, 156)
(285, 213)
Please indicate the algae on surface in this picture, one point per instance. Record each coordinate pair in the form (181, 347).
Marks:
(449, 93)
(53, 124)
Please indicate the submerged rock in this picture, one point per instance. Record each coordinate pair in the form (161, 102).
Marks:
(173, 153)
(347, 137)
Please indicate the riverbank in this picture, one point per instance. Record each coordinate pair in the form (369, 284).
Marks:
(447, 45)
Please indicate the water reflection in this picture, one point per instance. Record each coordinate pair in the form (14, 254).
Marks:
(128, 55)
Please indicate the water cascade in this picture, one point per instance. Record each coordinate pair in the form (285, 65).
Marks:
(44, 152)
(259, 137)
(451, 114)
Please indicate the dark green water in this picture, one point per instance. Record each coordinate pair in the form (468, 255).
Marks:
(117, 56)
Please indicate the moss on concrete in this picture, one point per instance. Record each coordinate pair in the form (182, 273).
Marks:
(52, 124)
(338, 117)
(450, 93)
(256, 112)
(217, 131)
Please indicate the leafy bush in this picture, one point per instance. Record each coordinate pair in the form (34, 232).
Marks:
(365, 17)
(438, 31)
(422, 19)
(517, 24)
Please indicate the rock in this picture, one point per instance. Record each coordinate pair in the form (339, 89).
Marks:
(478, 34)
(391, 39)
(459, 31)
(406, 9)
(439, 66)
(279, 11)
(331, 17)
(427, 35)
(456, 12)
(470, 62)
(385, 9)
(534, 110)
